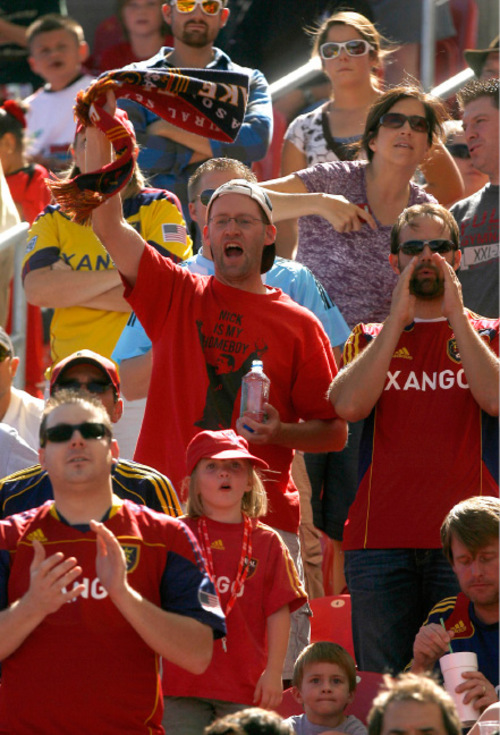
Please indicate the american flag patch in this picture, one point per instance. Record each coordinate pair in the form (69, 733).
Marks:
(173, 233)
(208, 600)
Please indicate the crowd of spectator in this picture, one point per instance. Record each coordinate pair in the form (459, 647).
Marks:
(154, 539)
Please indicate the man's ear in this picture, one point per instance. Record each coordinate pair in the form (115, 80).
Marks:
(224, 17)
(166, 9)
(117, 410)
(115, 449)
(41, 457)
(192, 211)
(457, 258)
(394, 263)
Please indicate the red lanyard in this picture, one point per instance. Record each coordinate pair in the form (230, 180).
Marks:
(243, 565)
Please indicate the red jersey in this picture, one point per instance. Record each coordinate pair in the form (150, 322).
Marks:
(84, 669)
(426, 445)
(271, 583)
(205, 336)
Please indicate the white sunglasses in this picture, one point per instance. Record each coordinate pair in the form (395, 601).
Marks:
(209, 7)
(356, 47)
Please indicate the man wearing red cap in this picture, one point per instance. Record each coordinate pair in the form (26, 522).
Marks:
(86, 370)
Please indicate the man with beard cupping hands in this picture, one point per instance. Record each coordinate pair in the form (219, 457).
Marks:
(426, 383)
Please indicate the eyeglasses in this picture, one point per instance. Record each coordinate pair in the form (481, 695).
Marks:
(244, 222)
(356, 47)
(209, 7)
(93, 386)
(4, 353)
(205, 196)
(63, 432)
(458, 150)
(415, 247)
(396, 120)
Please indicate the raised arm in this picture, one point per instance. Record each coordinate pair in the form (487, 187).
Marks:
(480, 364)
(357, 388)
(121, 241)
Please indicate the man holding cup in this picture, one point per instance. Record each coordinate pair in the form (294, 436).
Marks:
(469, 621)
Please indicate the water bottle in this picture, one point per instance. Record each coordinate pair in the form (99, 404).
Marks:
(255, 392)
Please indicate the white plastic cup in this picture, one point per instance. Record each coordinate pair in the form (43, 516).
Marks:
(489, 727)
(453, 665)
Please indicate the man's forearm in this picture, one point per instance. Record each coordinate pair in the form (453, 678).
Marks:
(357, 388)
(180, 639)
(315, 435)
(480, 364)
(16, 623)
(62, 288)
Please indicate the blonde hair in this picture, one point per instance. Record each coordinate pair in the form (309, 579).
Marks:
(253, 503)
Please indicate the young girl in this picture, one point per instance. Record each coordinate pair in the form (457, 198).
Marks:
(255, 579)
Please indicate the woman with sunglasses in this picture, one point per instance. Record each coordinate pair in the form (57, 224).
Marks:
(349, 47)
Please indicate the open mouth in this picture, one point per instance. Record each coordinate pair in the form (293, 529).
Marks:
(233, 251)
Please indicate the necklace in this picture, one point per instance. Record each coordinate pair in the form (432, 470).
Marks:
(243, 564)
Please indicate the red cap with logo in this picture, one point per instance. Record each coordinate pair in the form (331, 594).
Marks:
(224, 444)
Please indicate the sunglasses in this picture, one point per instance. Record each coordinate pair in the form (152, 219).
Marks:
(4, 353)
(458, 150)
(209, 7)
(205, 196)
(357, 47)
(93, 386)
(63, 432)
(415, 247)
(396, 120)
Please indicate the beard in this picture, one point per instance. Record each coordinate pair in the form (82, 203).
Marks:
(427, 287)
(198, 38)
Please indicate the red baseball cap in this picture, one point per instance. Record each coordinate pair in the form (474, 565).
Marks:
(86, 357)
(224, 444)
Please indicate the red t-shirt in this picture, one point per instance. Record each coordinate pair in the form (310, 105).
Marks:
(271, 583)
(426, 445)
(205, 335)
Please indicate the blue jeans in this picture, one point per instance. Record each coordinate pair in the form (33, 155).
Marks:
(392, 592)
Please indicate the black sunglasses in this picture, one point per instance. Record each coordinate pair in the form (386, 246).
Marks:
(458, 150)
(93, 386)
(415, 247)
(4, 353)
(396, 120)
(63, 432)
(205, 196)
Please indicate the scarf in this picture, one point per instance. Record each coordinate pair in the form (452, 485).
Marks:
(207, 102)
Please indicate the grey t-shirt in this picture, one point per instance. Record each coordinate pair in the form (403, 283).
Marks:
(354, 266)
(477, 218)
(302, 726)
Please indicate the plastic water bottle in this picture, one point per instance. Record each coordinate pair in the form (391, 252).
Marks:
(255, 392)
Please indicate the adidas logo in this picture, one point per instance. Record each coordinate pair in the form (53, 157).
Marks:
(403, 352)
(37, 535)
(218, 545)
(459, 627)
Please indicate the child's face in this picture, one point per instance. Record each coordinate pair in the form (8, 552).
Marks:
(142, 17)
(222, 484)
(324, 693)
(57, 57)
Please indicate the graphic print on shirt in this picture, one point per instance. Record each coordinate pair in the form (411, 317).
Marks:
(227, 359)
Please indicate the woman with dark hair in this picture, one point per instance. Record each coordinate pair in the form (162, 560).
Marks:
(351, 256)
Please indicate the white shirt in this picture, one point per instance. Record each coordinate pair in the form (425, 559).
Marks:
(24, 414)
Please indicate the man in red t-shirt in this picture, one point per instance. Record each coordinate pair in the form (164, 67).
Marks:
(426, 383)
(194, 320)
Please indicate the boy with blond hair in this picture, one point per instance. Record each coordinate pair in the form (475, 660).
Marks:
(324, 682)
(57, 52)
